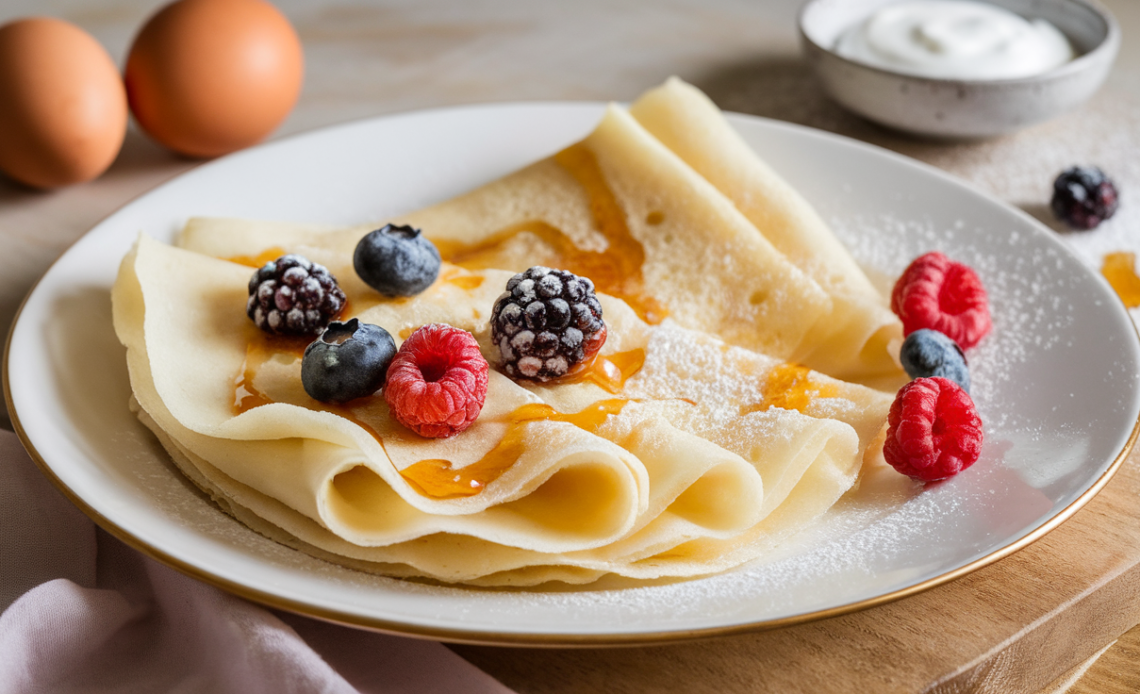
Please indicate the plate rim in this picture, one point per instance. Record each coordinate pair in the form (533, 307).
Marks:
(524, 638)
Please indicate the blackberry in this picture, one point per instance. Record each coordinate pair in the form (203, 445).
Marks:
(1083, 197)
(293, 296)
(348, 361)
(927, 353)
(547, 324)
(396, 260)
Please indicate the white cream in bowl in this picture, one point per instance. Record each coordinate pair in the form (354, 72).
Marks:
(955, 39)
(939, 105)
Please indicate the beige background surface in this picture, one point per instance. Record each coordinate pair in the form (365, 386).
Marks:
(366, 59)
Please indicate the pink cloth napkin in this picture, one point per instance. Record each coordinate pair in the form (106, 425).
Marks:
(82, 612)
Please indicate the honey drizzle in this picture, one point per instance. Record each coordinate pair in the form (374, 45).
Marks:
(612, 371)
(456, 277)
(263, 346)
(617, 270)
(790, 387)
(437, 479)
(1120, 270)
(259, 350)
(433, 478)
(466, 282)
(260, 259)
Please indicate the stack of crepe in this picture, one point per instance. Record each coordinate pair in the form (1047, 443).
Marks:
(706, 431)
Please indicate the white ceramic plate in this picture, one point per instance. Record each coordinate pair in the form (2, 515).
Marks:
(1056, 383)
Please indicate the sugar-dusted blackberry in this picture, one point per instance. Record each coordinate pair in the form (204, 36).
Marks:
(1083, 197)
(293, 296)
(548, 324)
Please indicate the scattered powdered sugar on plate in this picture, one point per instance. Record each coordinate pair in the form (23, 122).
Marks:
(889, 526)
(1029, 287)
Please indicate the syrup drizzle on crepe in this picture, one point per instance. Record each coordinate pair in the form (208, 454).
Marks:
(464, 281)
(261, 258)
(435, 478)
(790, 387)
(787, 386)
(438, 480)
(611, 371)
(616, 271)
(259, 350)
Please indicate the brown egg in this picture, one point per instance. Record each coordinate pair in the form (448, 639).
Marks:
(63, 111)
(206, 77)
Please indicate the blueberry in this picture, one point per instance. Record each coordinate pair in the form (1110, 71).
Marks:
(927, 353)
(348, 361)
(396, 261)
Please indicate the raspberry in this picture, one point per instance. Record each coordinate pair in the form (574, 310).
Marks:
(548, 324)
(1083, 197)
(933, 430)
(437, 382)
(937, 293)
(293, 296)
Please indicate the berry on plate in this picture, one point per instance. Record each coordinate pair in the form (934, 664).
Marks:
(928, 353)
(437, 382)
(348, 361)
(940, 294)
(1083, 197)
(934, 431)
(396, 260)
(293, 296)
(548, 324)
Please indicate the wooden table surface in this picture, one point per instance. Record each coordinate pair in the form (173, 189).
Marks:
(370, 58)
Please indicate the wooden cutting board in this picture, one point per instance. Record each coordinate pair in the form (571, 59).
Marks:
(1010, 628)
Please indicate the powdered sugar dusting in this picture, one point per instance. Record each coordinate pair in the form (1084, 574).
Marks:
(890, 532)
(1029, 286)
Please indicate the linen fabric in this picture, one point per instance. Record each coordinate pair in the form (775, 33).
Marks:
(81, 612)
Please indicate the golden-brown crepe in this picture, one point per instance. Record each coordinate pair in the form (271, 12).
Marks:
(693, 443)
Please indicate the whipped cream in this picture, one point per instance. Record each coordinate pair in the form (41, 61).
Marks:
(955, 39)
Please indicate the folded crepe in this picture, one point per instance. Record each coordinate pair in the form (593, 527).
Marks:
(622, 209)
(693, 444)
(667, 207)
(851, 340)
(663, 477)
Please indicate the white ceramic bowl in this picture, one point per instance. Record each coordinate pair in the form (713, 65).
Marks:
(963, 109)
